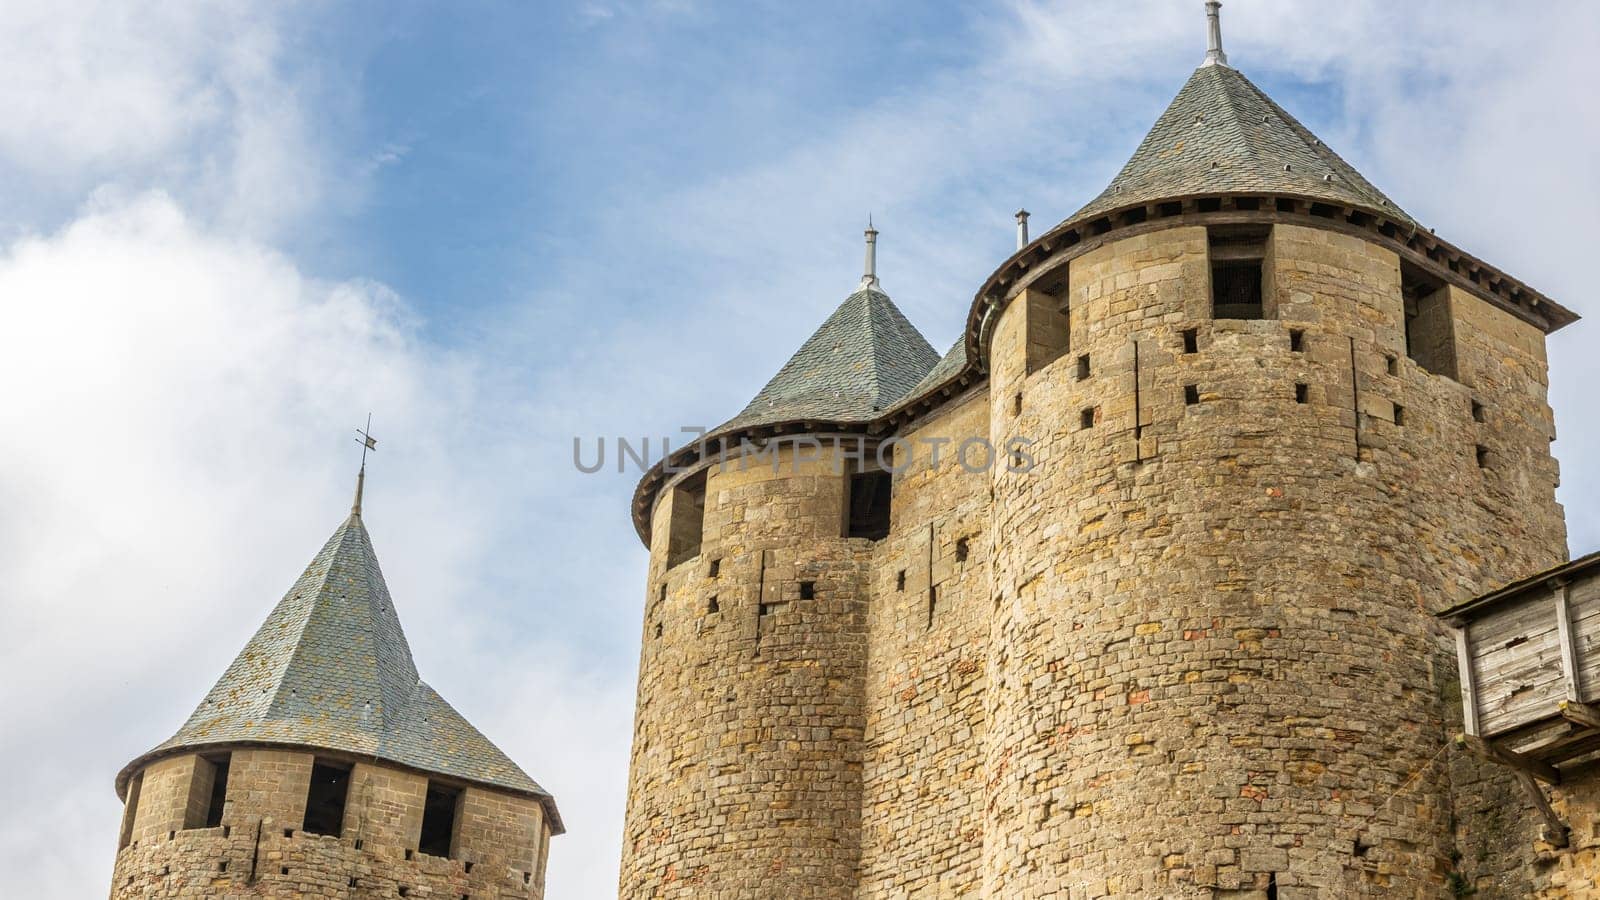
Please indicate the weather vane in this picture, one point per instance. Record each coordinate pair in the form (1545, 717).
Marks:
(368, 442)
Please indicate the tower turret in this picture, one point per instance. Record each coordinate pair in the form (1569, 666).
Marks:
(1238, 426)
(320, 761)
(748, 737)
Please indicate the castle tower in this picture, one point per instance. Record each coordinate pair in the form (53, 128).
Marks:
(748, 737)
(1284, 423)
(1247, 424)
(321, 765)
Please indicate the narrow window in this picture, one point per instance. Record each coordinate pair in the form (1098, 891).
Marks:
(712, 605)
(1297, 341)
(808, 590)
(1482, 453)
(130, 810)
(659, 630)
(867, 504)
(1049, 327)
(1300, 392)
(1191, 340)
(1430, 325)
(330, 784)
(688, 523)
(933, 602)
(1477, 412)
(763, 608)
(1016, 404)
(662, 597)
(219, 789)
(1392, 364)
(1083, 367)
(961, 550)
(1237, 253)
(1191, 394)
(900, 581)
(1399, 414)
(716, 568)
(1086, 418)
(441, 811)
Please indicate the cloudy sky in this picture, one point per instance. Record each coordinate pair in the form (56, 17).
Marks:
(228, 230)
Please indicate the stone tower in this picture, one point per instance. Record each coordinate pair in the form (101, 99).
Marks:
(1157, 623)
(321, 765)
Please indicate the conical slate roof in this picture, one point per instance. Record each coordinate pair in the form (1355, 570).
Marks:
(1220, 135)
(330, 669)
(866, 356)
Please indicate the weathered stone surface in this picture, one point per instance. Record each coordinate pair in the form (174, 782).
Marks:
(1190, 653)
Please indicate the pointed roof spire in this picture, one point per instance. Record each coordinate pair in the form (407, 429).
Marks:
(330, 669)
(870, 277)
(1214, 54)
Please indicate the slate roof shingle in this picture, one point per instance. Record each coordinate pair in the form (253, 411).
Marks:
(866, 356)
(1222, 134)
(330, 669)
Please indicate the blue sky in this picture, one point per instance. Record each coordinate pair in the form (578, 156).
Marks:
(228, 231)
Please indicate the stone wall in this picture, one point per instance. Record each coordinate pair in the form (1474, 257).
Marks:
(259, 850)
(747, 742)
(1190, 653)
(922, 813)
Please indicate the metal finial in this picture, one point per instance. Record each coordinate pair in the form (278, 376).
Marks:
(1214, 54)
(1022, 228)
(869, 278)
(368, 442)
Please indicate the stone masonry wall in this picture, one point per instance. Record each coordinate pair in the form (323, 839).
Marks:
(259, 850)
(1190, 653)
(922, 812)
(1212, 668)
(747, 750)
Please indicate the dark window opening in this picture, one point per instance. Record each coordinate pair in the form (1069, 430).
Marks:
(1482, 453)
(1249, 203)
(1392, 365)
(1477, 412)
(900, 581)
(1191, 340)
(1237, 254)
(1430, 321)
(933, 602)
(1191, 394)
(440, 813)
(1272, 886)
(763, 608)
(1209, 204)
(1285, 205)
(1399, 414)
(662, 597)
(962, 547)
(1167, 210)
(712, 605)
(1300, 393)
(219, 789)
(868, 505)
(1016, 404)
(808, 590)
(1297, 341)
(688, 523)
(330, 784)
(1083, 367)
(1049, 327)
(715, 570)
(658, 629)
(1086, 418)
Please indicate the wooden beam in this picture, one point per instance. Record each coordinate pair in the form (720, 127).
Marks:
(1581, 714)
(1555, 832)
(1569, 650)
(1469, 693)
(1495, 753)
